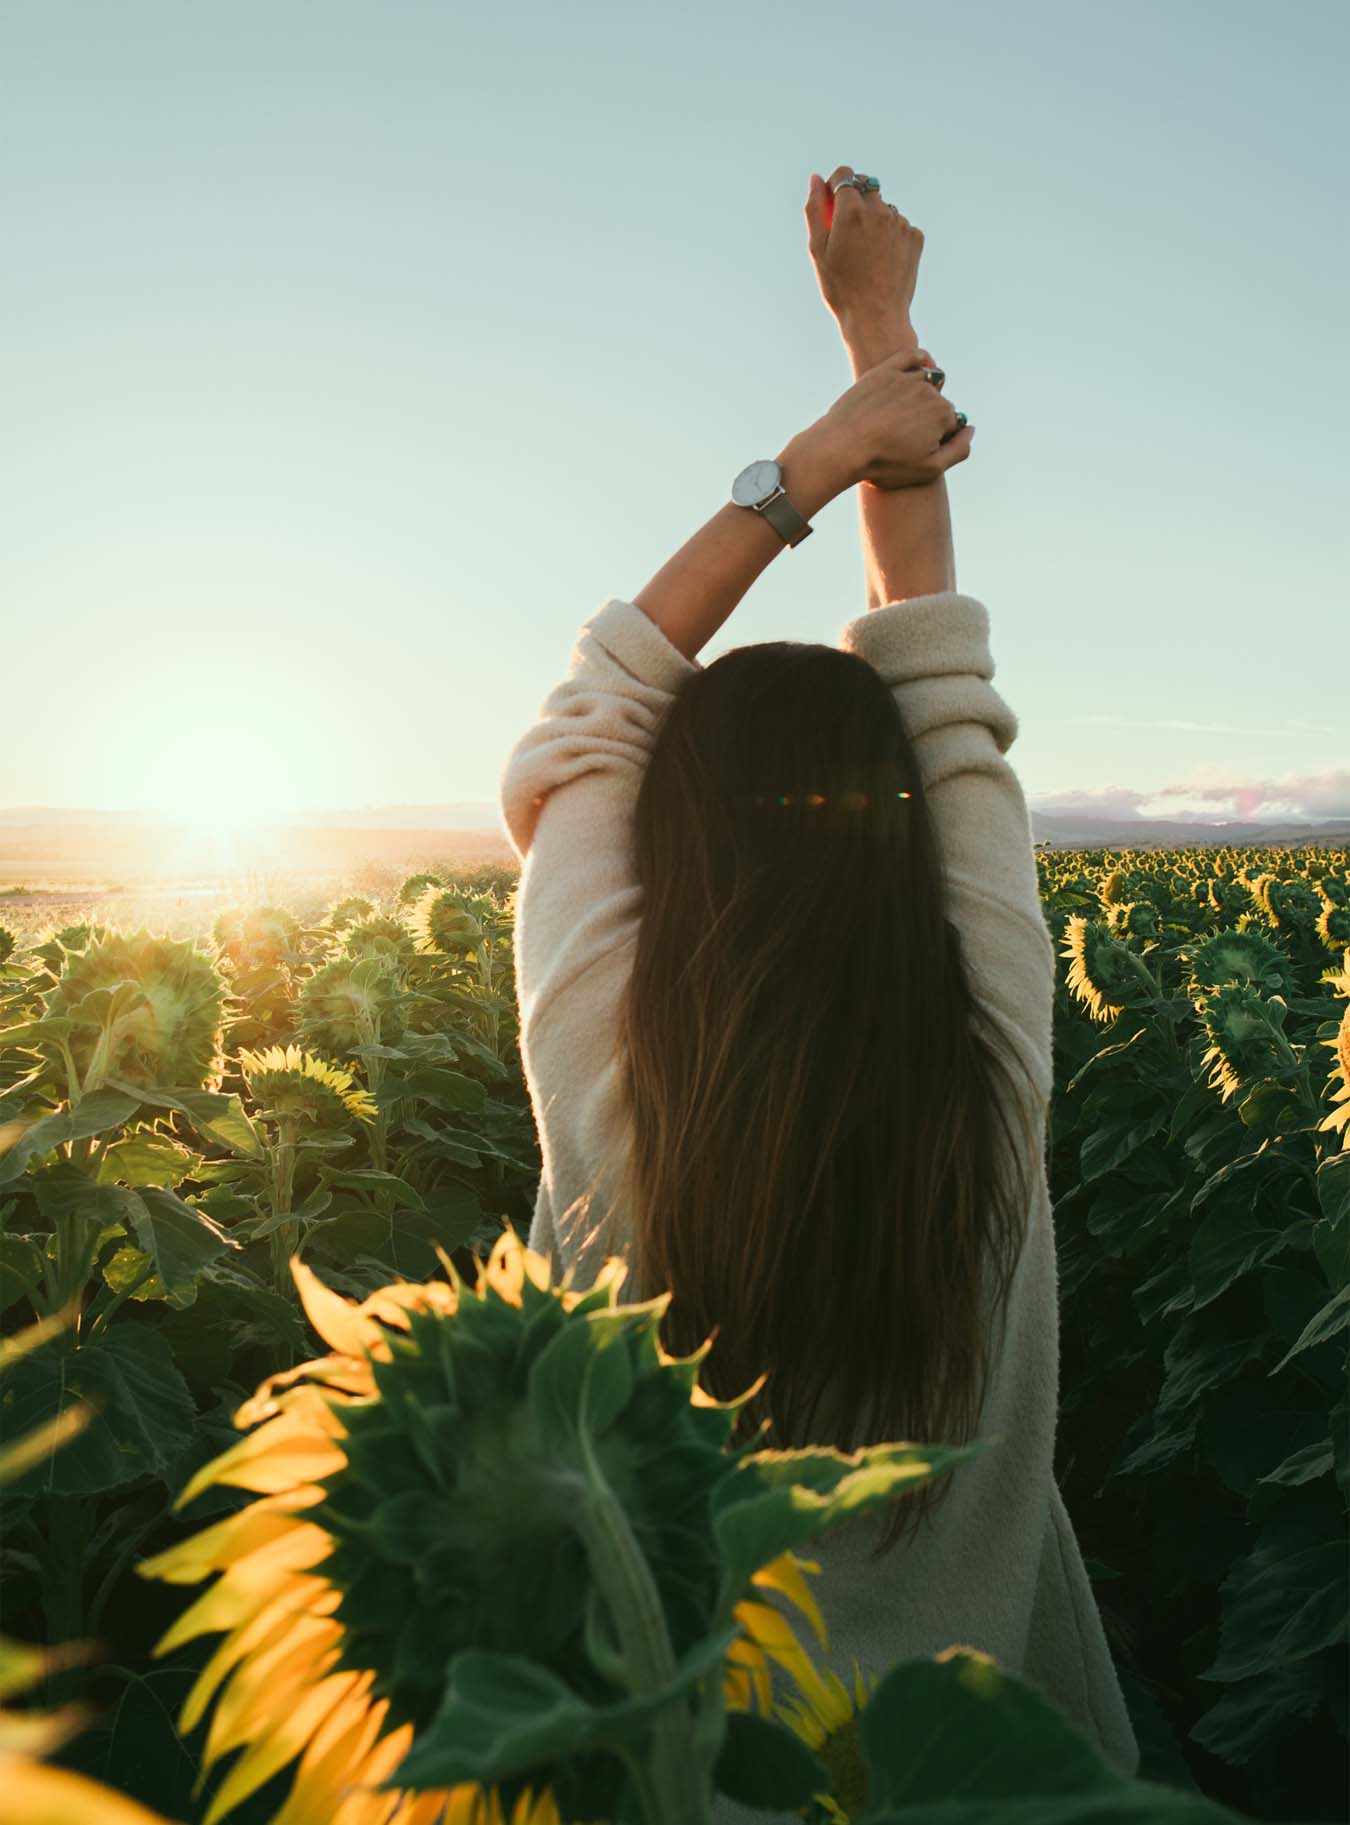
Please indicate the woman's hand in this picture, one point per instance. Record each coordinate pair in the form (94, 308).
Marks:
(866, 258)
(889, 427)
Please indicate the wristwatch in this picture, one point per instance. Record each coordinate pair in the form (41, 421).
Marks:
(760, 486)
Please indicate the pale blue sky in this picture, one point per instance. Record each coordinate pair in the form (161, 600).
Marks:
(354, 354)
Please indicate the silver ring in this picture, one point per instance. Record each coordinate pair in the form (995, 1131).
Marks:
(859, 181)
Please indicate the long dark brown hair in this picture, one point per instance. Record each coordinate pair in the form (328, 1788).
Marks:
(823, 1169)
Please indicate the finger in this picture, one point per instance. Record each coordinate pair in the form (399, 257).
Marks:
(947, 455)
(817, 227)
(845, 203)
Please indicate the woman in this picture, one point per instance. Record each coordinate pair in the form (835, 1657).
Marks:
(785, 995)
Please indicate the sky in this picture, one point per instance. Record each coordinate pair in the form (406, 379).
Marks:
(353, 355)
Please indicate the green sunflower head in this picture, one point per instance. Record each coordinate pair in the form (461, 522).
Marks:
(382, 937)
(258, 937)
(350, 1002)
(1292, 906)
(1228, 897)
(445, 923)
(1113, 888)
(415, 886)
(7, 944)
(80, 937)
(345, 912)
(1240, 956)
(1104, 975)
(290, 1085)
(1333, 924)
(1134, 919)
(1246, 1033)
(146, 1009)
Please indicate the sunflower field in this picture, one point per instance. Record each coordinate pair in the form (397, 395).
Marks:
(321, 1505)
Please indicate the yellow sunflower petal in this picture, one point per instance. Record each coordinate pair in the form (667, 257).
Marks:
(365, 1806)
(785, 1574)
(504, 1270)
(38, 1794)
(337, 1320)
(256, 1635)
(269, 1753)
(332, 1758)
(228, 1541)
(773, 1633)
(283, 1452)
(331, 1374)
(232, 1599)
(276, 1677)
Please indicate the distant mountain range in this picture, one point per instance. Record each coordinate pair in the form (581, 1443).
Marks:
(1059, 828)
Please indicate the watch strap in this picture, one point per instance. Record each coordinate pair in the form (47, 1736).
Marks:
(785, 519)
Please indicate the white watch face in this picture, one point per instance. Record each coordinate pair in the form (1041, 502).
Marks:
(756, 483)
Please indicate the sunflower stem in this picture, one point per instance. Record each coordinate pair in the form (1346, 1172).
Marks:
(672, 1783)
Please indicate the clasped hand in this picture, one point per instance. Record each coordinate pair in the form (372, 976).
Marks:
(895, 423)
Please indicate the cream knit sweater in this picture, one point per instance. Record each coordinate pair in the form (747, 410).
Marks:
(1001, 1569)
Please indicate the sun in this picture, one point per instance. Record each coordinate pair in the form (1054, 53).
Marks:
(213, 831)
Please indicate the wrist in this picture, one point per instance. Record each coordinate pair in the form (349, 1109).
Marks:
(816, 467)
(872, 340)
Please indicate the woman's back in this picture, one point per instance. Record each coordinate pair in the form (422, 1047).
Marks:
(999, 1568)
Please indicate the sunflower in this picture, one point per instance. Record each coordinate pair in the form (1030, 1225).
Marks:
(350, 1003)
(1105, 975)
(1240, 956)
(7, 943)
(1340, 1045)
(1246, 1032)
(294, 1085)
(347, 911)
(143, 1009)
(825, 1717)
(418, 1501)
(444, 922)
(382, 936)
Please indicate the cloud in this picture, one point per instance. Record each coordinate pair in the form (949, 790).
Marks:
(1214, 792)
(1297, 727)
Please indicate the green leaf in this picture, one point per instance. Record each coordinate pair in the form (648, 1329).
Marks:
(1331, 1237)
(959, 1728)
(144, 1411)
(763, 1764)
(1251, 1715)
(22, 1268)
(1321, 1327)
(1113, 1142)
(1229, 1243)
(179, 1239)
(222, 1118)
(147, 1159)
(1303, 1466)
(93, 1114)
(1288, 1597)
(503, 1715)
(1250, 1427)
(774, 1501)
(368, 1179)
(449, 1090)
(123, 1270)
(1140, 1803)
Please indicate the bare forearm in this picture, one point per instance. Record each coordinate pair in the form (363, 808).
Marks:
(694, 592)
(906, 533)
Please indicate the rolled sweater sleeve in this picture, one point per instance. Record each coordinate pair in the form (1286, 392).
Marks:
(568, 794)
(933, 652)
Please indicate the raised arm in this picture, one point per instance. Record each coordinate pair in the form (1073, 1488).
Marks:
(931, 645)
(888, 431)
(867, 275)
